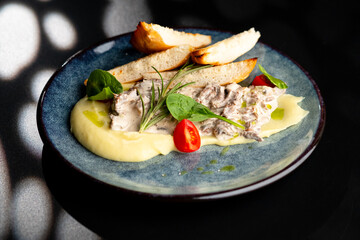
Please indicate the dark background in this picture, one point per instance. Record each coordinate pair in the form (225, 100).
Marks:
(43, 198)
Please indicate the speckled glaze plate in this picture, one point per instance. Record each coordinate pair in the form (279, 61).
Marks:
(194, 176)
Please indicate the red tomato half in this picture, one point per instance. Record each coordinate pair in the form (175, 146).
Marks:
(262, 80)
(186, 136)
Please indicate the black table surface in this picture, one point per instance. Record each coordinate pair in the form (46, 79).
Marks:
(42, 197)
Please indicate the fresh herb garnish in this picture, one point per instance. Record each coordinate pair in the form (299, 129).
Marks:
(184, 107)
(277, 82)
(158, 109)
(101, 85)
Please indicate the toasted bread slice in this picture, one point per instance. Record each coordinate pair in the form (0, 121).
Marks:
(227, 50)
(225, 74)
(162, 61)
(150, 38)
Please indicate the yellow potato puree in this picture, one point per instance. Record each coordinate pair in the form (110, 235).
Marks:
(90, 125)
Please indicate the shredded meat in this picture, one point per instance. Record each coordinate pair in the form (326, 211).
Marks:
(249, 106)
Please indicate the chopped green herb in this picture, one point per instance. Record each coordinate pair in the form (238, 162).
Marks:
(235, 136)
(242, 122)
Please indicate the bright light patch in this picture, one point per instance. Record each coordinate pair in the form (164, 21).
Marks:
(38, 82)
(32, 210)
(121, 16)
(68, 228)
(4, 195)
(28, 130)
(19, 41)
(104, 47)
(60, 31)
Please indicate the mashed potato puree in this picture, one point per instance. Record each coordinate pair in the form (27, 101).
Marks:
(90, 125)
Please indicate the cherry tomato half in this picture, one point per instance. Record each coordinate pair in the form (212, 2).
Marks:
(186, 136)
(262, 80)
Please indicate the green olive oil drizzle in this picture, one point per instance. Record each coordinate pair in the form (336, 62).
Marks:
(225, 150)
(214, 161)
(94, 118)
(228, 168)
(278, 114)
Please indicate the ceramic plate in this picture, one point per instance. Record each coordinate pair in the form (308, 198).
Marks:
(203, 174)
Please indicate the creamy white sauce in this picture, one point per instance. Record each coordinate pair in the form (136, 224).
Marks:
(90, 124)
(249, 106)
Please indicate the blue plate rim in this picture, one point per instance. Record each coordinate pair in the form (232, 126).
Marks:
(186, 197)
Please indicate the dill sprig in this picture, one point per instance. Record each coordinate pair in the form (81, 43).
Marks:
(158, 109)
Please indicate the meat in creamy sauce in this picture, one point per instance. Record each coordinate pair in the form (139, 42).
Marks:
(250, 106)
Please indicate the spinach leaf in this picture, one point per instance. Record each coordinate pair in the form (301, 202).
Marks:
(277, 82)
(184, 107)
(101, 85)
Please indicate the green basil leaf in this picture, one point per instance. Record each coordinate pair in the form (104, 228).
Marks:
(101, 85)
(184, 107)
(277, 82)
(105, 94)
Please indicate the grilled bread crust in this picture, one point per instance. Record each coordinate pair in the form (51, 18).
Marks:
(226, 50)
(150, 38)
(234, 72)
